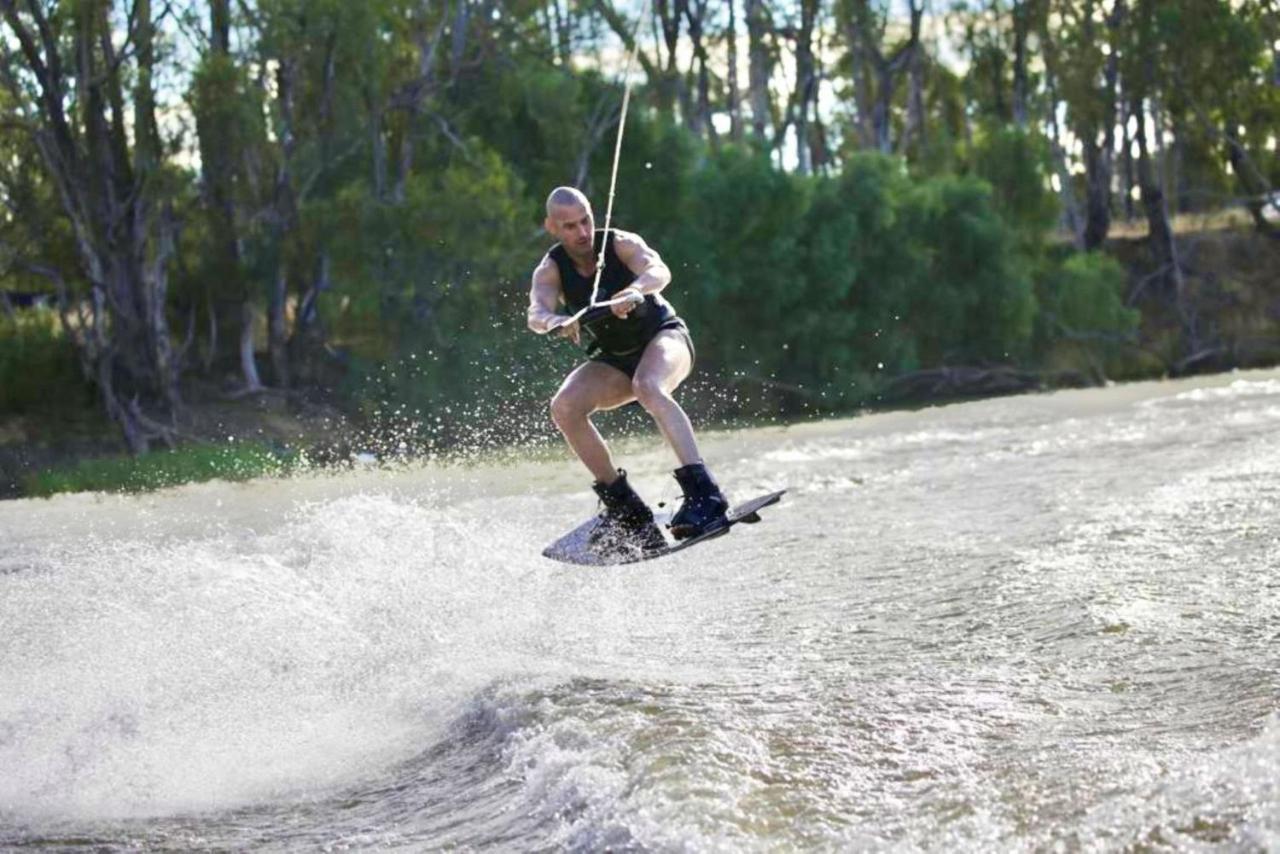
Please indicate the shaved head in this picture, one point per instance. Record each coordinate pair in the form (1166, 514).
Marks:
(563, 197)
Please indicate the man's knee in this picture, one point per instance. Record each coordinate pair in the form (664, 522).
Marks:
(566, 409)
(649, 391)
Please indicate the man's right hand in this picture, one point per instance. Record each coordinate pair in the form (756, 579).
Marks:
(568, 328)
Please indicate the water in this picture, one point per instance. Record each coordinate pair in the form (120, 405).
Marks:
(1035, 623)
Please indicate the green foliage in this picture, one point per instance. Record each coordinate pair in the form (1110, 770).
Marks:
(975, 301)
(430, 292)
(861, 265)
(734, 253)
(1017, 164)
(160, 469)
(1084, 297)
(1085, 326)
(38, 369)
(823, 282)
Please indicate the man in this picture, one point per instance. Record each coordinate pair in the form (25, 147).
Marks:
(641, 352)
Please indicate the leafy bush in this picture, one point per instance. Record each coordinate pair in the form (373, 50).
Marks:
(1084, 296)
(1084, 324)
(1017, 164)
(38, 369)
(975, 301)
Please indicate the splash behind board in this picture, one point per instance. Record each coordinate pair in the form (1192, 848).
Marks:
(574, 546)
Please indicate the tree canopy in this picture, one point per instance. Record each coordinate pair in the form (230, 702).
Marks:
(322, 194)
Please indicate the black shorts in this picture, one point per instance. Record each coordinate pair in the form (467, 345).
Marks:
(630, 361)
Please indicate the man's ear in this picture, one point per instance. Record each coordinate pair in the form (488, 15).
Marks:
(549, 226)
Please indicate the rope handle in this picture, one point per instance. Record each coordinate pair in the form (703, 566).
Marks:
(591, 313)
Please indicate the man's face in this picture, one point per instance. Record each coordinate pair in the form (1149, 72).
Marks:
(574, 227)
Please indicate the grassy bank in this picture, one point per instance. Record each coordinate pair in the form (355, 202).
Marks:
(188, 464)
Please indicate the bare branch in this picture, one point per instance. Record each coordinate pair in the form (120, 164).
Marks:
(451, 135)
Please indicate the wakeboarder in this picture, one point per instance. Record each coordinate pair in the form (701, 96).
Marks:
(640, 351)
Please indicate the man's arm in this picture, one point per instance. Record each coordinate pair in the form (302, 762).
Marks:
(544, 298)
(651, 272)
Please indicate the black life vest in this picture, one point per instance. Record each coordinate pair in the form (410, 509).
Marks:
(613, 335)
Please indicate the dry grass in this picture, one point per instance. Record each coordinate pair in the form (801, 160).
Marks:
(1186, 223)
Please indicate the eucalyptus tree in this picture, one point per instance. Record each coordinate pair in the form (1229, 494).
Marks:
(231, 138)
(880, 58)
(801, 111)
(760, 60)
(1003, 40)
(319, 93)
(1142, 55)
(1220, 62)
(80, 79)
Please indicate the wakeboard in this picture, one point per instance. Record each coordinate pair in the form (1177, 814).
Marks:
(575, 547)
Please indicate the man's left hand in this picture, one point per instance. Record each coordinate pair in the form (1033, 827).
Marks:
(633, 301)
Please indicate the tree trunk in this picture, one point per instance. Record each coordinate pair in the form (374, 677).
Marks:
(1066, 189)
(915, 130)
(248, 364)
(307, 343)
(284, 215)
(863, 91)
(700, 113)
(1127, 177)
(1159, 233)
(652, 70)
(1097, 167)
(735, 97)
(378, 151)
(759, 25)
(1021, 22)
(806, 84)
(1099, 157)
(146, 146)
(1257, 193)
(413, 95)
(564, 49)
(277, 325)
(864, 34)
(670, 13)
(221, 152)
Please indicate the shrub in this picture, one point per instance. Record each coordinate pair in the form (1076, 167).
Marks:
(38, 369)
(1083, 297)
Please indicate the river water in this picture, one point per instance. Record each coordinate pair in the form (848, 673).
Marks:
(1042, 622)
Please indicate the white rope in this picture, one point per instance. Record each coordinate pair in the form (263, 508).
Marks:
(613, 176)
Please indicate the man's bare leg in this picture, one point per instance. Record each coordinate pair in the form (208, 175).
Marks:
(591, 387)
(665, 364)
(627, 522)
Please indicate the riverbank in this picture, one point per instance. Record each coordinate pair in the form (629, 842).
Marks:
(278, 444)
(1226, 317)
(69, 446)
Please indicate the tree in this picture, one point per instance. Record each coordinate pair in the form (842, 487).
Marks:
(877, 70)
(230, 135)
(1089, 70)
(66, 68)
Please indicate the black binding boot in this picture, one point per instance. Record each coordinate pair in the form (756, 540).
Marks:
(627, 522)
(704, 507)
